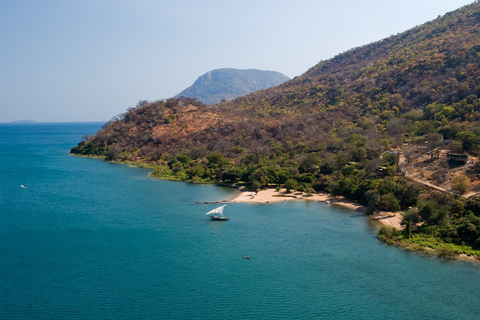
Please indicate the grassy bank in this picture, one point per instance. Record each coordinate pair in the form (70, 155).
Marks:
(426, 244)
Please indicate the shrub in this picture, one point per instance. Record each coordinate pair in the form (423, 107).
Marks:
(388, 235)
(291, 184)
(446, 253)
(461, 183)
(476, 244)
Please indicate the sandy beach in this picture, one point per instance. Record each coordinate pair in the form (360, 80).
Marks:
(390, 219)
(271, 195)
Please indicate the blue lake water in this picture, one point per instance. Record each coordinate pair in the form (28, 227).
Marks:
(86, 239)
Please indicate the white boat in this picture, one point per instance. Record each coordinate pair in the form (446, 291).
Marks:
(217, 213)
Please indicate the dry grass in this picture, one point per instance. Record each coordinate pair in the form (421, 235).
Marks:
(438, 171)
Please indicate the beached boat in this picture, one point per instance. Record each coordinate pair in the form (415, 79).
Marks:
(217, 213)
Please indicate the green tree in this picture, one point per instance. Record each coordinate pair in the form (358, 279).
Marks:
(291, 184)
(410, 218)
(473, 205)
(390, 203)
(461, 183)
(427, 212)
(255, 185)
(476, 244)
(310, 164)
(233, 175)
(185, 159)
(372, 198)
(260, 175)
(469, 140)
(216, 158)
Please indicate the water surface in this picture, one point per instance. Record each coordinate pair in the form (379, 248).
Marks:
(86, 239)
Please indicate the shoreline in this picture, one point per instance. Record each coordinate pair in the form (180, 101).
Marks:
(266, 196)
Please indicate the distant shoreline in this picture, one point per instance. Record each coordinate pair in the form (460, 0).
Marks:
(27, 122)
(23, 121)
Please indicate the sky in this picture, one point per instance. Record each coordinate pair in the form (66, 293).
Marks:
(90, 60)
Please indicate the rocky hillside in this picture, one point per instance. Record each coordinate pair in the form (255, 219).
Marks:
(340, 128)
(226, 84)
(423, 81)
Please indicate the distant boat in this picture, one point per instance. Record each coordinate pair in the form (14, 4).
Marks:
(217, 213)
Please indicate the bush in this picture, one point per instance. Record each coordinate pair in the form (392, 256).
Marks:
(473, 204)
(476, 244)
(255, 185)
(388, 235)
(446, 253)
(390, 203)
(372, 198)
(461, 183)
(291, 184)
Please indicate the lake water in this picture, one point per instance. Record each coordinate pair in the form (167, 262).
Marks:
(86, 239)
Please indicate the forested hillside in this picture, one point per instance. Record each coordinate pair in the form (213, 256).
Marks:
(226, 84)
(341, 127)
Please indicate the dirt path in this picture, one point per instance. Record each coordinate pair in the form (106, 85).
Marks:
(403, 165)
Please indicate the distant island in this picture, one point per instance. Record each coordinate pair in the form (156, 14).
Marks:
(226, 84)
(393, 125)
(23, 121)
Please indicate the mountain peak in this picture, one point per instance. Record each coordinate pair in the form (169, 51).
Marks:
(228, 83)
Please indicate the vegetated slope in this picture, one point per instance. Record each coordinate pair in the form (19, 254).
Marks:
(226, 84)
(336, 128)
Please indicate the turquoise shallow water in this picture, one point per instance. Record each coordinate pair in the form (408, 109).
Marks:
(87, 239)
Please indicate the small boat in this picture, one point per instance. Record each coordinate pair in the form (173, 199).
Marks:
(217, 213)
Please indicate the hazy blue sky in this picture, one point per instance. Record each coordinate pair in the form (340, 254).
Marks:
(89, 60)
